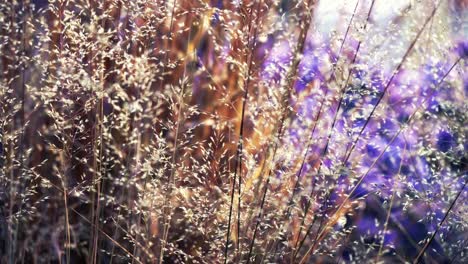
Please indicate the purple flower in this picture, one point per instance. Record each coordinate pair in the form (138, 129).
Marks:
(462, 49)
(445, 141)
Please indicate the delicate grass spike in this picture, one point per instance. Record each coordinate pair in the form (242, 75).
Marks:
(238, 156)
(254, 131)
(423, 250)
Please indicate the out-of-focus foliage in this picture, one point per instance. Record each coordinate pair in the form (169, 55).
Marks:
(138, 131)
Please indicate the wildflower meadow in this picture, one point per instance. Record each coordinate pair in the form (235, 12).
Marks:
(233, 131)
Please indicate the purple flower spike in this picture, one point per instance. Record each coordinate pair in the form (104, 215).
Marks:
(462, 49)
(446, 141)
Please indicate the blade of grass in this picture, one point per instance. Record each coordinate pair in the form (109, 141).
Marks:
(395, 72)
(238, 157)
(299, 50)
(452, 204)
(342, 92)
(405, 125)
